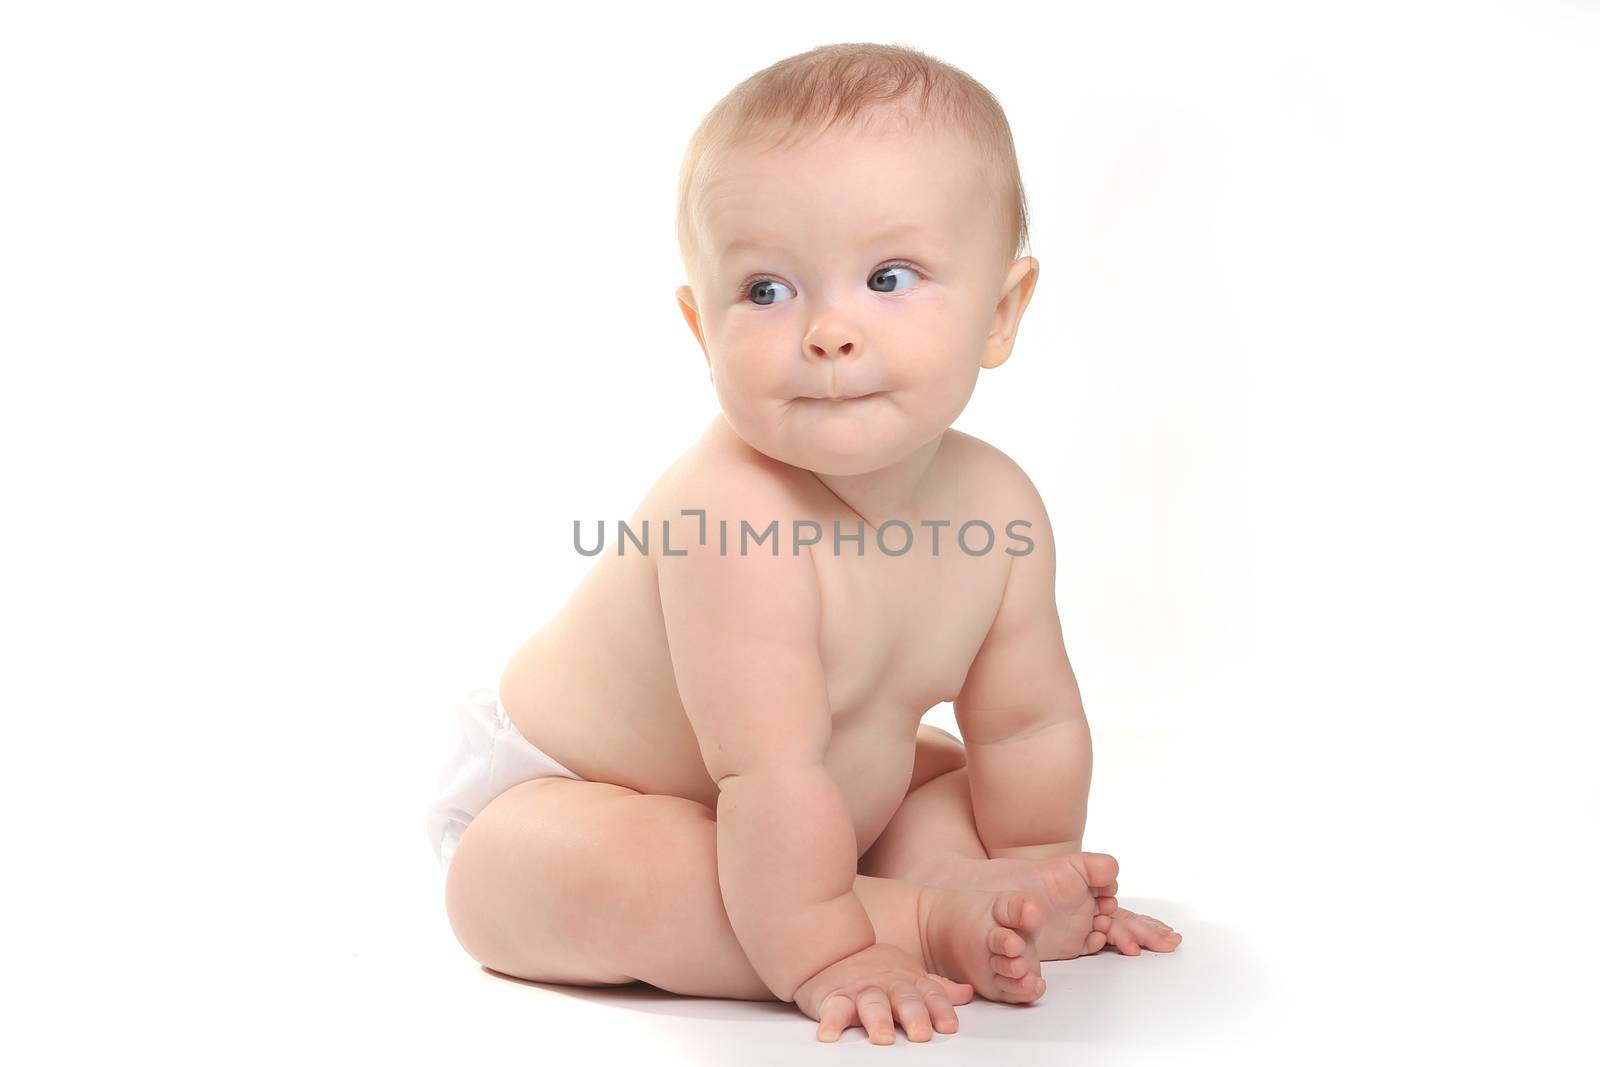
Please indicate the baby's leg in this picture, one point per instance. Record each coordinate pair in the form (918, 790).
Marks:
(933, 825)
(933, 839)
(585, 883)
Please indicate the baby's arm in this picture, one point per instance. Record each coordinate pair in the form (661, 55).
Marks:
(743, 633)
(1020, 713)
(1028, 751)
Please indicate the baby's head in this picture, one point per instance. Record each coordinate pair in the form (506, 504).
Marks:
(851, 220)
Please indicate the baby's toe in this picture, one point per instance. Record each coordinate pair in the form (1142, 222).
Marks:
(1099, 869)
(1009, 966)
(1020, 990)
(1020, 911)
(1006, 942)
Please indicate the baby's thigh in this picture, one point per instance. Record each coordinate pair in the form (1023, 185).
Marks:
(526, 868)
(586, 883)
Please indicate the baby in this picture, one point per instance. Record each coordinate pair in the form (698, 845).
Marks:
(708, 772)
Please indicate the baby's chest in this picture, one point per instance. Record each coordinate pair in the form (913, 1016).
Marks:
(903, 630)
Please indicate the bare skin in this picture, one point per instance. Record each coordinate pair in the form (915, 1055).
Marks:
(600, 697)
(931, 840)
(628, 892)
(685, 697)
(595, 686)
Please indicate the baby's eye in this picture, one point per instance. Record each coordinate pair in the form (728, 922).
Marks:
(885, 276)
(761, 290)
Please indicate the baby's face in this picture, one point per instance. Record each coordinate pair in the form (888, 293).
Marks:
(867, 266)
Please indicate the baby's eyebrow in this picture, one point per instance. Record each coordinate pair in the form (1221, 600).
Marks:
(741, 244)
(746, 244)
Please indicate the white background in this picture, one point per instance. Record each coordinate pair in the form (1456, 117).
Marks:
(321, 322)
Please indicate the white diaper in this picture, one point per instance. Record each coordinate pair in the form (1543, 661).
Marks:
(491, 757)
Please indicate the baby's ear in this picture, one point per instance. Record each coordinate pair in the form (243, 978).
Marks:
(691, 315)
(1014, 297)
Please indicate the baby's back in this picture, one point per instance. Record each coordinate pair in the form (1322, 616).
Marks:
(595, 688)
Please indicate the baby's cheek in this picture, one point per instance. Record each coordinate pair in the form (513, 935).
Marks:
(945, 383)
(746, 381)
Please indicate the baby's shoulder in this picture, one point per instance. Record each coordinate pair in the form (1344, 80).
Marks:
(722, 475)
(990, 479)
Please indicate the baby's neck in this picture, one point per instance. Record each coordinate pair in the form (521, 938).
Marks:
(899, 491)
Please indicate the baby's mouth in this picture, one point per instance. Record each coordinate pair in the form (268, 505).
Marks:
(842, 398)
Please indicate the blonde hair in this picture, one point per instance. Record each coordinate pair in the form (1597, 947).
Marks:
(843, 85)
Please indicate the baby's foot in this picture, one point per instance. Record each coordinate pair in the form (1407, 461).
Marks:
(1077, 890)
(988, 940)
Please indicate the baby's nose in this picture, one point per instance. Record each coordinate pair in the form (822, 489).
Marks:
(830, 340)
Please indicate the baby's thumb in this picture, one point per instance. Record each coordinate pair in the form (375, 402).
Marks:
(958, 992)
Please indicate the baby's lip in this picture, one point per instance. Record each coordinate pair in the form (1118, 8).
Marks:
(843, 396)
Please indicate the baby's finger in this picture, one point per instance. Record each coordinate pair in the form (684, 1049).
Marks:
(836, 1015)
(913, 1013)
(1095, 942)
(1105, 905)
(958, 992)
(872, 1004)
(1122, 936)
(1155, 934)
(939, 1007)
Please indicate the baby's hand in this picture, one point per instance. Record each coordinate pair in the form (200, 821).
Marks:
(876, 987)
(1128, 932)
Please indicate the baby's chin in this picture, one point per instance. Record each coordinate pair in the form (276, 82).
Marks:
(841, 450)
(838, 466)
(830, 437)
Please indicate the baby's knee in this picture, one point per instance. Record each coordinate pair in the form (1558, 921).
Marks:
(937, 753)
